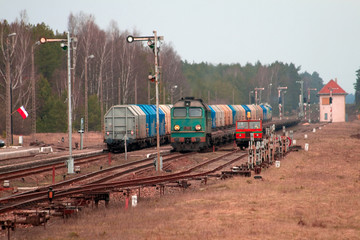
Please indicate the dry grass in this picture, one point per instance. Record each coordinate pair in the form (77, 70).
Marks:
(313, 195)
(90, 139)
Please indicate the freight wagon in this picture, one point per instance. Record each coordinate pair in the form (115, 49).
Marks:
(135, 125)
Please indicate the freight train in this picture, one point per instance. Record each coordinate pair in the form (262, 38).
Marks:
(196, 126)
(189, 125)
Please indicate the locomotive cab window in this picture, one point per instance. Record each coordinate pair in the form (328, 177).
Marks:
(179, 112)
(195, 112)
(242, 125)
(254, 125)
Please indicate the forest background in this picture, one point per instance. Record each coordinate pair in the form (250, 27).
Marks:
(106, 70)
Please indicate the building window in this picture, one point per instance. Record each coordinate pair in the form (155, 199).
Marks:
(325, 101)
(326, 116)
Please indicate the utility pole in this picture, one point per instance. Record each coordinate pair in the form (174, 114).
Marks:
(135, 89)
(269, 99)
(172, 93)
(283, 103)
(66, 45)
(71, 160)
(309, 103)
(152, 43)
(86, 93)
(256, 90)
(33, 92)
(8, 92)
(157, 103)
(301, 103)
(250, 93)
(280, 102)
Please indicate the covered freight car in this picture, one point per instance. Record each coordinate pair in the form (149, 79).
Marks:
(136, 123)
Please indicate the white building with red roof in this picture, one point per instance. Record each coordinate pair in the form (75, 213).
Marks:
(332, 102)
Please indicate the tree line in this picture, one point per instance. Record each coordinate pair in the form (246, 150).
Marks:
(106, 70)
(233, 83)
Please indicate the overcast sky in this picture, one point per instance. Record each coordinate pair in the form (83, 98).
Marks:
(318, 35)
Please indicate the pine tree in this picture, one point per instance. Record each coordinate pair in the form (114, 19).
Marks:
(94, 114)
(52, 115)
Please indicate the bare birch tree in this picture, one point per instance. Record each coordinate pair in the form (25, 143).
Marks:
(83, 26)
(15, 49)
(125, 63)
(172, 75)
(102, 55)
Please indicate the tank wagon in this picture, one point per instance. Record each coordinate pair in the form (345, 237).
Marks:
(135, 125)
(196, 125)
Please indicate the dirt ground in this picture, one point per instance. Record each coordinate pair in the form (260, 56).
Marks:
(314, 194)
(90, 139)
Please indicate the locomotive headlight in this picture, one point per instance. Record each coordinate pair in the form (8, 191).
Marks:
(198, 127)
(176, 127)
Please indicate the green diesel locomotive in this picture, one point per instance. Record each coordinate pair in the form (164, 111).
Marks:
(190, 125)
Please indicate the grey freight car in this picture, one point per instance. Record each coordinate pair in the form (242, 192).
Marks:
(135, 122)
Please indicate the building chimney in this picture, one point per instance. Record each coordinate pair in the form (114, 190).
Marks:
(336, 80)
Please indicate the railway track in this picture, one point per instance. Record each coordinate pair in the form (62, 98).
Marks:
(279, 124)
(41, 167)
(136, 165)
(108, 179)
(67, 189)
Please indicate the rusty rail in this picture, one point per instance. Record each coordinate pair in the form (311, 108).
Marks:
(46, 167)
(35, 197)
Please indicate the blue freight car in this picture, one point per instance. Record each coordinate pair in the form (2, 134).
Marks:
(233, 113)
(150, 119)
(161, 120)
(213, 115)
(265, 117)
